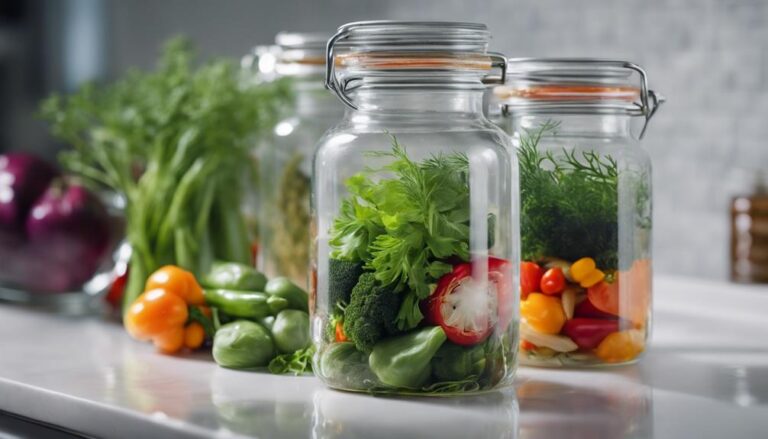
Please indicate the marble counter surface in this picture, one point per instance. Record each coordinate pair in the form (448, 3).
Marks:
(705, 376)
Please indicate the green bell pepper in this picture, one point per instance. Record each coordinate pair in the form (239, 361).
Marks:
(453, 362)
(343, 366)
(405, 361)
(243, 344)
(234, 276)
(283, 287)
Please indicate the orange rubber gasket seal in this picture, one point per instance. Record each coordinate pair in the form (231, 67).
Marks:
(414, 60)
(563, 92)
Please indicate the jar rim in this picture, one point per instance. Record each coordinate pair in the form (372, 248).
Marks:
(395, 35)
(576, 85)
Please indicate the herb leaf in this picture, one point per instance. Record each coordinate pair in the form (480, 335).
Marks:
(404, 227)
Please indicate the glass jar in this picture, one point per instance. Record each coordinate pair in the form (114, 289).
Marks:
(585, 208)
(285, 157)
(415, 234)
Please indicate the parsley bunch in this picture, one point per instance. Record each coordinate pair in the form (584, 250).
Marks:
(175, 143)
(405, 227)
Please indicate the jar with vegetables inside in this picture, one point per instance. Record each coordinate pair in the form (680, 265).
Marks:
(585, 208)
(285, 156)
(415, 252)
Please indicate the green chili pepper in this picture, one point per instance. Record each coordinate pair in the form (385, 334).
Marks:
(234, 276)
(291, 330)
(283, 287)
(453, 362)
(243, 344)
(239, 303)
(404, 361)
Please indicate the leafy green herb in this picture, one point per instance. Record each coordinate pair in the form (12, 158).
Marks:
(175, 142)
(569, 202)
(297, 363)
(405, 227)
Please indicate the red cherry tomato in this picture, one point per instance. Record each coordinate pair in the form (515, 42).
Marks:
(466, 314)
(553, 281)
(530, 278)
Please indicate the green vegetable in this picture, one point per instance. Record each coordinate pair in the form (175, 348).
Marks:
(371, 313)
(283, 287)
(405, 361)
(404, 227)
(243, 344)
(291, 330)
(196, 315)
(239, 303)
(267, 322)
(453, 362)
(297, 362)
(234, 276)
(277, 304)
(569, 202)
(345, 367)
(342, 277)
(175, 142)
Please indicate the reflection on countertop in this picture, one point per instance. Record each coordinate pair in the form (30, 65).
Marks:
(705, 376)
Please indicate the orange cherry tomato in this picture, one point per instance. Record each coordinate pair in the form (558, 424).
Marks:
(194, 335)
(553, 281)
(177, 281)
(170, 341)
(154, 312)
(526, 345)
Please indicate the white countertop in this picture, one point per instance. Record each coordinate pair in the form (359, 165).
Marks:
(705, 376)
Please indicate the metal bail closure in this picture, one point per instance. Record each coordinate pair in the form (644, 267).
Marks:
(499, 61)
(649, 99)
(331, 80)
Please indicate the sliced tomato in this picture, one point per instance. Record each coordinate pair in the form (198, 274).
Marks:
(466, 313)
(605, 297)
(530, 278)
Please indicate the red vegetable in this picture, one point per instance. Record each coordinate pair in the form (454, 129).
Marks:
(588, 333)
(586, 309)
(23, 179)
(530, 278)
(465, 313)
(605, 297)
(553, 281)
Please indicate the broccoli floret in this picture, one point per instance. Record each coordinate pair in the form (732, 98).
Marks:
(342, 277)
(371, 313)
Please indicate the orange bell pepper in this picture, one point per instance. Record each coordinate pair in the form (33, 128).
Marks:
(177, 281)
(162, 312)
(543, 313)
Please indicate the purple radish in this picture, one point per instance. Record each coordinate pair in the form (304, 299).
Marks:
(23, 179)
